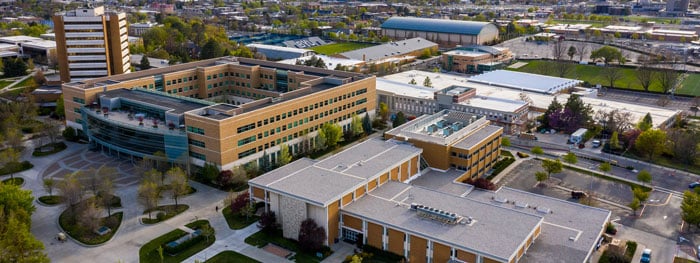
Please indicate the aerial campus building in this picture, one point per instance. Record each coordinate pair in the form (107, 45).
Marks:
(225, 111)
(91, 43)
(447, 33)
(404, 194)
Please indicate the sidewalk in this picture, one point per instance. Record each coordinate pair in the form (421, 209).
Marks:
(234, 240)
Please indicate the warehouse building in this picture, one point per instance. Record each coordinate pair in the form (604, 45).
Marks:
(389, 195)
(225, 111)
(447, 33)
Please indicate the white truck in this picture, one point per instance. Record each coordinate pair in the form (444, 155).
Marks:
(577, 136)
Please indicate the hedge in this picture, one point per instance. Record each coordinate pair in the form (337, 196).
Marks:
(25, 165)
(500, 166)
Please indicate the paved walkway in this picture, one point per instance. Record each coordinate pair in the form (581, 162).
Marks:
(233, 240)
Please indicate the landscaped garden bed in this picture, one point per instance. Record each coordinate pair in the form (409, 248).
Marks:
(238, 221)
(14, 181)
(231, 257)
(162, 213)
(49, 149)
(15, 167)
(50, 199)
(86, 236)
(187, 246)
(261, 238)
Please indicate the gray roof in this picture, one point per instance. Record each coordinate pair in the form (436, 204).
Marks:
(157, 99)
(566, 220)
(497, 232)
(322, 182)
(436, 25)
(279, 52)
(525, 81)
(388, 50)
(477, 136)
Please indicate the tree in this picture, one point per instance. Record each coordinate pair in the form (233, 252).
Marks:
(17, 242)
(72, 190)
(570, 158)
(505, 141)
(608, 54)
(9, 159)
(212, 49)
(427, 82)
(145, 63)
(683, 143)
(285, 156)
(645, 123)
(690, 208)
(537, 150)
(106, 193)
(52, 129)
(383, 111)
(614, 141)
(667, 79)
(239, 202)
(553, 107)
(558, 49)
(644, 176)
(268, 222)
(413, 82)
(399, 119)
(562, 68)
(60, 109)
(248, 210)
(15, 68)
(541, 176)
(575, 114)
(651, 142)
(148, 195)
(612, 74)
(582, 47)
(635, 205)
(356, 128)
(210, 171)
(49, 184)
(551, 166)
(605, 167)
(366, 124)
(39, 78)
(640, 194)
(207, 231)
(645, 75)
(571, 52)
(332, 133)
(178, 183)
(311, 236)
(90, 215)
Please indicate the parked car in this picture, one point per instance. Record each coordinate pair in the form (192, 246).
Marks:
(646, 256)
(693, 185)
(600, 243)
(595, 143)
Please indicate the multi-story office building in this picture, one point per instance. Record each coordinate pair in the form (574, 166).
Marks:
(388, 194)
(175, 110)
(91, 43)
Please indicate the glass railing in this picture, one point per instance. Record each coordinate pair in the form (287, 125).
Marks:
(146, 127)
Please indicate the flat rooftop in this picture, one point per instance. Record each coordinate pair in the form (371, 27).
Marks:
(494, 103)
(391, 49)
(337, 175)
(539, 100)
(477, 137)
(432, 128)
(405, 89)
(158, 100)
(495, 231)
(569, 231)
(525, 81)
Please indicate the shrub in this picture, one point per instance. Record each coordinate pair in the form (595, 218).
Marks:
(10, 169)
(500, 166)
(70, 135)
(481, 183)
(240, 202)
(183, 246)
(631, 248)
(610, 229)
(311, 236)
(523, 155)
(160, 216)
(268, 222)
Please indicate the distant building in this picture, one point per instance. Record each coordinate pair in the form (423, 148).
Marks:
(91, 43)
(447, 33)
(677, 7)
(409, 47)
(139, 28)
(42, 51)
(279, 53)
(476, 59)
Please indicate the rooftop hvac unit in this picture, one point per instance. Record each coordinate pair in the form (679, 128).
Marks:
(441, 124)
(543, 210)
(457, 126)
(521, 204)
(431, 128)
(447, 131)
(500, 199)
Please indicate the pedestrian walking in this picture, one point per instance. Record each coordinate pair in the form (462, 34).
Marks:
(217, 208)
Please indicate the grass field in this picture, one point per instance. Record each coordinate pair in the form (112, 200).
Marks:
(341, 47)
(230, 256)
(594, 75)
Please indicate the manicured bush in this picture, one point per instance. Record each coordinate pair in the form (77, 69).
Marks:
(183, 246)
(57, 147)
(523, 155)
(481, 183)
(14, 168)
(14, 181)
(631, 248)
(500, 166)
(610, 229)
(50, 199)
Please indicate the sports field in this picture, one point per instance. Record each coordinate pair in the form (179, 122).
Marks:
(340, 47)
(594, 75)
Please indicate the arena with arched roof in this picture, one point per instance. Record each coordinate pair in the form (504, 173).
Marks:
(447, 33)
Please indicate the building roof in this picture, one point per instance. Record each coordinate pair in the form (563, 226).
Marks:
(539, 100)
(419, 128)
(525, 81)
(157, 99)
(494, 104)
(505, 228)
(331, 62)
(391, 49)
(435, 25)
(339, 174)
(476, 137)
(566, 221)
(279, 52)
(405, 89)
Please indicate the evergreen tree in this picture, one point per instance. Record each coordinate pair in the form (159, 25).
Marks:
(399, 119)
(367, 124)
(285, 156)
(553, 107)
(427, 82)
(412, 82)
(646, 123)
(145, 63)
(212, 49)
(15, 67)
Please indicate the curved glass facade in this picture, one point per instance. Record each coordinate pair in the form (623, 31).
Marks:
(132, 139)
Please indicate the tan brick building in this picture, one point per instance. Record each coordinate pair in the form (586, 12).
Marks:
(228, 111)
(385, 194)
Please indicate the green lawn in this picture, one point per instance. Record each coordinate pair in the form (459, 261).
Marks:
(86, 236)
(28, 82)
(591, 74)
(340, 47)
(260, 239)
(690, 85)
(4, 83)
(231, 257)
(149, 251)
(236, 221)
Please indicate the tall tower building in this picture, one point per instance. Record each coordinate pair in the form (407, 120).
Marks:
(91, 43)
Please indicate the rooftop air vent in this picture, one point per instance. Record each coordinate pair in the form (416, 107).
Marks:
(501, 200)
(543, 210)
(521, 204)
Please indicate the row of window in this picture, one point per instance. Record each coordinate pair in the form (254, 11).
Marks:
(78, 100)
(197, 155)
(309, 108)
(226, 74)
(197, 143)
(178, 81)
(195, 130)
